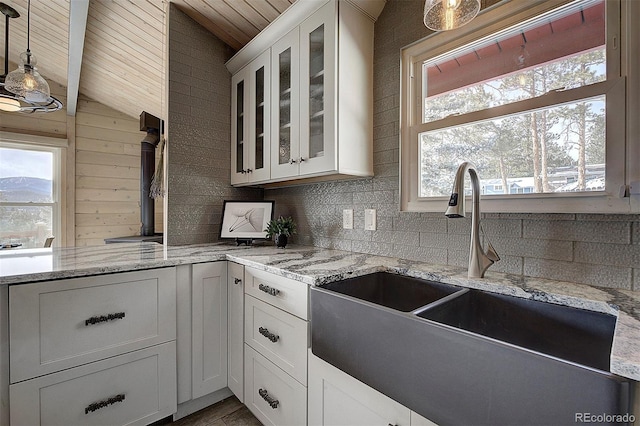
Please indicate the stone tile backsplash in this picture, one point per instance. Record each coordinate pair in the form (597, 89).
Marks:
(198, 136)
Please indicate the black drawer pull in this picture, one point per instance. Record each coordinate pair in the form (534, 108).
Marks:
(265, 395)
(237, 280)
(102, 404)
(104, 318)
(269, 290)
(269, 335)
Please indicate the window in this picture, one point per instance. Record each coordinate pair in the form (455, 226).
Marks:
(30, 189)
(532, 93)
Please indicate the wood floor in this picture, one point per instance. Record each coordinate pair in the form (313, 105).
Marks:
(229, 412)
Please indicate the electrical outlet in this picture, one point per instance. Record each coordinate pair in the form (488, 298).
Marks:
(370, 219)
(347, 219)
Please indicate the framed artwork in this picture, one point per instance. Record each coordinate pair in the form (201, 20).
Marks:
(246, 220)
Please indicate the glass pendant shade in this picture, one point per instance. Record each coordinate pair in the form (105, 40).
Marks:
(442, 15)
(26, 81)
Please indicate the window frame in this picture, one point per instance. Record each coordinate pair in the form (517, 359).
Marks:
(621, 171)
(58, 147)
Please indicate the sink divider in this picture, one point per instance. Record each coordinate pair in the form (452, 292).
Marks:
(439, 301)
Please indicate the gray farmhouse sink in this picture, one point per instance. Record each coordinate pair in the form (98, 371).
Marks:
(471, 357)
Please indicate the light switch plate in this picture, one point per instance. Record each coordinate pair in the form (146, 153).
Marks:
(347, 219)
(370, 219)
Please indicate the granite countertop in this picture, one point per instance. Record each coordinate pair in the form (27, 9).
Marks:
(315, 266)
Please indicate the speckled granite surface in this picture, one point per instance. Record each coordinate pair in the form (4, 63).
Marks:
(316, 266)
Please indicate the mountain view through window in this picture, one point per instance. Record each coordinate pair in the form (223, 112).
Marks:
(26, 196)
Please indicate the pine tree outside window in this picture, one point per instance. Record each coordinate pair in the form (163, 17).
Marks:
(535, 97)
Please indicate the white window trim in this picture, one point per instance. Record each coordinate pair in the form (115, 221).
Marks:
(59, 146)
(623, 145)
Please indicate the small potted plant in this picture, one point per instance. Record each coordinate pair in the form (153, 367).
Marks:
(282, 228)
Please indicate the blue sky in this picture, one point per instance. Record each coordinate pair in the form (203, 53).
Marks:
(17, 162)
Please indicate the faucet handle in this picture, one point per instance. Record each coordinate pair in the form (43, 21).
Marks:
(491, 253)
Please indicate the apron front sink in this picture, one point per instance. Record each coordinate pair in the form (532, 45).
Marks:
(470, 357)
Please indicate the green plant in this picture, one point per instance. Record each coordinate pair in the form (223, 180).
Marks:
(282, 225)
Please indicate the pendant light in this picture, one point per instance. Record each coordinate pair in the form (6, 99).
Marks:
(24, 90)
(442, 15)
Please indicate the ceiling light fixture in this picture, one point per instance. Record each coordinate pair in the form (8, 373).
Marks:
(442, 15)
(24, 90)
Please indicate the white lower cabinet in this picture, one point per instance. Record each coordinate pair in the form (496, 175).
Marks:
(96, 350)
(235, 338)
(62, 324)
(209, 328)
(336, 398)
(276, 336)
(136, 388)
(201, 335)
(273, 396)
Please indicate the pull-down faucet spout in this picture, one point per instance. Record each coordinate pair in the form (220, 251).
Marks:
(479, 261)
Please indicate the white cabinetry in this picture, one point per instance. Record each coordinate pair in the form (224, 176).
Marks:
(93, 350)
(251, 129)
(285, 107)
(202, 335)
(235, 290)
(209, 328)
(276, 341)
(321, 90)
(311, 147)
(335, 398)
(134, 388)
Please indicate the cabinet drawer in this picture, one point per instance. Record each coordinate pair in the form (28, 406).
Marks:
(63, 324)
(280, 337)
(273, 396)
(284, 293)
(136, 388)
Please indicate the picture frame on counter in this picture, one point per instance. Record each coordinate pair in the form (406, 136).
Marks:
(245, 221)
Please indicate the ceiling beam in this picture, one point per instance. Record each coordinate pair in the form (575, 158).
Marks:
(78, 12)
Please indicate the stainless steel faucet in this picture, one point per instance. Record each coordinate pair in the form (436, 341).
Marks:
(479, 261)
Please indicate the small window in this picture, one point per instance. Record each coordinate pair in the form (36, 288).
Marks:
(532, 97)
(30, 208)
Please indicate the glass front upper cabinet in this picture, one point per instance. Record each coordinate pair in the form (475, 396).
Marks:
(285, 106)
(259, 130)
(251, 122)
(317, 60)
(306, 125)
(239, 128)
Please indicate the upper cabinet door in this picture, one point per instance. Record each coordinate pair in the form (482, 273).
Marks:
(260, 118)
(285, 83)
(251, 122)
(317, 91)
(239, 127)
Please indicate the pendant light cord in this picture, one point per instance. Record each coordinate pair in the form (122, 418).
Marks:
(6, 47)
(28, 31)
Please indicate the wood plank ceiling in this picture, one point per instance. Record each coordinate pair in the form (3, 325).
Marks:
(123, 59)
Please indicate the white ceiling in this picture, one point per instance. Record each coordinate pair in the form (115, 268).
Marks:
(122, 64)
